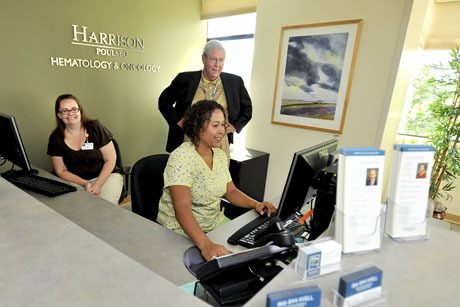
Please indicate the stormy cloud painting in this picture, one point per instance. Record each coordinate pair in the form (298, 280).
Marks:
(313, 75)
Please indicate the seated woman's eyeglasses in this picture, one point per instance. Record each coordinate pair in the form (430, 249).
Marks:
(67, 111)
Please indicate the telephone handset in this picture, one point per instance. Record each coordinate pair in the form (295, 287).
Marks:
(232, 262)
(273, 243)
(275, 234)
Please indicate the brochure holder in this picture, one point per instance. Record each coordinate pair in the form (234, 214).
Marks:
(409, 185)
(404, 224)
(362, 299)
(359, 192)
(359, 233)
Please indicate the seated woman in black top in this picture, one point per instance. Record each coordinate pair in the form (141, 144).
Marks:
(82, 151)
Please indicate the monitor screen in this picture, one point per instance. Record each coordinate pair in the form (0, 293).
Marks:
(305, 164)
(11, 147)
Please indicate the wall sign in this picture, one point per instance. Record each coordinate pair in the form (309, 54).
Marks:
(107, 45)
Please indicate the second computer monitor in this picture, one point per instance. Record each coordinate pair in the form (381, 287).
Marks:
(305, 164)
(12, 147)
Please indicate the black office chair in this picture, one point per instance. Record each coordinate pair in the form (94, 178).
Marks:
(147, 185)
(123, 170)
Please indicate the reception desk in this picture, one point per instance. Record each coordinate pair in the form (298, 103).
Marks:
(418, 273)
(125, 259)
(148, 243)
(47, 260)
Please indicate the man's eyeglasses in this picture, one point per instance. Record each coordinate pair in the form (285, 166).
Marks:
(67, 111)
(218, 60)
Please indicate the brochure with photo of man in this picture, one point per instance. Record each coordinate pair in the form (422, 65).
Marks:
(409, 186)
(358, 199)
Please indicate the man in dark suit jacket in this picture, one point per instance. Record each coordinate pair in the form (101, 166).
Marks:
(187, 86)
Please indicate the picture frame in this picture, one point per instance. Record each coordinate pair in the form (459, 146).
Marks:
(314, 73)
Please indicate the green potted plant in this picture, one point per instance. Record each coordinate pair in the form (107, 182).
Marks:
(435, 112)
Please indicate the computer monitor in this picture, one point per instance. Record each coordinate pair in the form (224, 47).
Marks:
(304, 167)
(11, 147)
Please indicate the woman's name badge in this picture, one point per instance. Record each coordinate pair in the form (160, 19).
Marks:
(87, 146)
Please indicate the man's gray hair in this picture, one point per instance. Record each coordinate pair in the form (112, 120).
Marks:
(212, 45)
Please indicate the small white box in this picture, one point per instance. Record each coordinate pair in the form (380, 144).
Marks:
(318, 258)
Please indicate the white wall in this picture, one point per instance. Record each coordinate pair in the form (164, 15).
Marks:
(376, 62)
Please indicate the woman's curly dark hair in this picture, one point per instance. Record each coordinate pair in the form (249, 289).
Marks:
(196, 117)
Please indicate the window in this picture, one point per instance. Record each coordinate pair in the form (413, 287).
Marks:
(416, 119)
(236, 33)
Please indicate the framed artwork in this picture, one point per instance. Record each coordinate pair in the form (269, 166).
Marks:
(314, 74)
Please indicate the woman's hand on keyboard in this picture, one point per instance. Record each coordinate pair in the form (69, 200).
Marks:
(266, 207)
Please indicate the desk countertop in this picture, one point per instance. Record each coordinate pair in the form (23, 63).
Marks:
(152, 245)
(49, 261)
(418, 273)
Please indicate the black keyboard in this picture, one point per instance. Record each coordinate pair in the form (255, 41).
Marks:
(42, 185)
(246, 229)
(248, 240)
(246, 234)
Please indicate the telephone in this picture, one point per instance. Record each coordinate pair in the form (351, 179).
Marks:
(234, 278)
(274, 243)
(227, 263)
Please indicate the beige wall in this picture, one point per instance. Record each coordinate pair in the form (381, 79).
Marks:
(384, 26)
(220, 8)
(453, 205)
(443, 31)
(126, 102)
